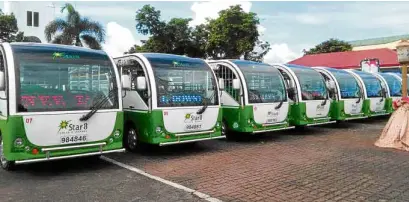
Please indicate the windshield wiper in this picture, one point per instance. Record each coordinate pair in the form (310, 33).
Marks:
(360, 96)
(326, 99)
(206, 104)
(281, 104)
(98, 105)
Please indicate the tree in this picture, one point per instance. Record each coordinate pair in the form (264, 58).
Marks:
(233, 34)
(8, 28)
(166, 37)
(329, 46)
(75, 29)
(33, 39)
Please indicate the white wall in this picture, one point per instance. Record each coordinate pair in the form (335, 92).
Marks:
(20, 8)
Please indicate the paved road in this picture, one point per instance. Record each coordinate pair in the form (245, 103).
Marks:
(337, 162)
(83, 180)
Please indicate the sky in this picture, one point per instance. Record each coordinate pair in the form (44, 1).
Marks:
(289, 27)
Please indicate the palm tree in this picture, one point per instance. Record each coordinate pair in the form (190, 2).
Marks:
(75, 29)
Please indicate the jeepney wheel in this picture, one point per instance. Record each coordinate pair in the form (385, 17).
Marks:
(225, 131)
(131, 140)
(6, 165)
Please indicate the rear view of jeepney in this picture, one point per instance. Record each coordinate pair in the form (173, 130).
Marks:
(173, 99)
(58, 102)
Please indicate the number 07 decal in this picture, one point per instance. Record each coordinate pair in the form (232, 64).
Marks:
(29, 120)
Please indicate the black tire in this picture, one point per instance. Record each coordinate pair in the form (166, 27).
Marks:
(6, 165)
(225, 131)
(131, 139)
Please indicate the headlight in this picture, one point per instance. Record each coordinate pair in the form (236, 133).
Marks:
(27, 148)
(158, 129)
(111, 140)
(117, 134)
(18, 142)
(249, 121)
(235, 125)
(217, 124)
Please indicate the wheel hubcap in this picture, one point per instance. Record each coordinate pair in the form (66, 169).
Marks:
(132, 139)
(2, 157)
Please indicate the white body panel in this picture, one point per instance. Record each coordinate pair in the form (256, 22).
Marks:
(315, 109)
(44, 130)
(267, 114)
(352, 107)
(176, 121)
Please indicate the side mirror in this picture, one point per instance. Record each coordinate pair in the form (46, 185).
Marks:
(236, 84)
(126, 82)
(221, 84)
(2, 81)
(140, 83)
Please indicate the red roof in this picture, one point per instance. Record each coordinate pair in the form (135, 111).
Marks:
(349, 59)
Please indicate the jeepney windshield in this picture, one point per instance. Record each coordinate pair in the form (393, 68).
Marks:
(312, 83)
(63, 80)
(349, 87)
(394, 84)
(183, 82)
(264, 82)
(373, 85)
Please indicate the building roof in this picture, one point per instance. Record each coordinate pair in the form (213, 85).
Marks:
(377, 41)
(349, 59)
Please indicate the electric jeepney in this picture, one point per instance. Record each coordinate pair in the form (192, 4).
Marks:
(346, 94)
(254, 98)
(376, 101)
(173, 99)
(309, 97)
(394, 87)
(57, 102)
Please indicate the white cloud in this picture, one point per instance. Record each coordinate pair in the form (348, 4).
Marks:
(210, 9)
(261, 29)
(310, 19)
(280, 53)
(118, 39)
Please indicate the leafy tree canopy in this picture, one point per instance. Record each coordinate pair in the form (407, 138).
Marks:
(329, 46)
(8, 28)
(232, 35)
(74, 30)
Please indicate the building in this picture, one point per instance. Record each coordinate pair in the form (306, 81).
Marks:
(383, 48)
(32, 17)
(377, 43)
(352, 59)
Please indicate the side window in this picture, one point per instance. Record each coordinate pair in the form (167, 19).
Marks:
(228, 75)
